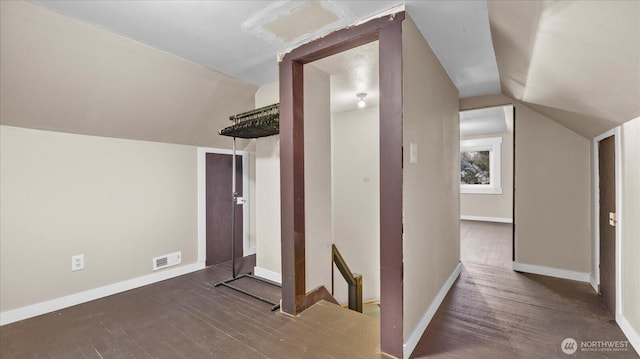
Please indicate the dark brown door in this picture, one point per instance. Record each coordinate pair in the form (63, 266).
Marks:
(219, 208)
(606, 167)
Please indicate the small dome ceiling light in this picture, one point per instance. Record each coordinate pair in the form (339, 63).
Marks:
(361, 102)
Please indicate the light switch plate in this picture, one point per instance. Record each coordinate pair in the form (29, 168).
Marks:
(413, 152)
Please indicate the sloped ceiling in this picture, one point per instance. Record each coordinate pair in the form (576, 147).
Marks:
(243, 38)
(458, 33)
(60, 74)
(577, 62)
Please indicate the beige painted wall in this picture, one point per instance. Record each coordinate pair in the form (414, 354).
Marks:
(118, 202)
(64, 75)
(251, 150)
(431, 245)
(267, 192)
(356, 197)
(317, 177)
(493, 205)
(630, 224)
(553, 189)
(60, 74)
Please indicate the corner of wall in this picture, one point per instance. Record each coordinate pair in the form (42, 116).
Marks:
(267, 192)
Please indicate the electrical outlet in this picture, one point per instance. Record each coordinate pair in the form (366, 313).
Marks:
(77, 262)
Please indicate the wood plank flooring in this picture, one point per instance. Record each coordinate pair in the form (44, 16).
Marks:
(486, 243)
(492, 312)
(187, 317)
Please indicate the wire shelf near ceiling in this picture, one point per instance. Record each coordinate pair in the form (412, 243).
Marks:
(261, 122)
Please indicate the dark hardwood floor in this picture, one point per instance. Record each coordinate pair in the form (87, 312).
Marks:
(486, 243)
(187, 317)
(492, 312)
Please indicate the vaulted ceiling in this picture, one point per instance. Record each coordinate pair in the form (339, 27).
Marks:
(578, 62)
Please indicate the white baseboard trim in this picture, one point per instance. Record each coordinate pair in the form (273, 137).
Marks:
(629, 331)
(487, 219)
(52, 305)
(594, 283)
(552, 272)
(267, 274)
(411, 343)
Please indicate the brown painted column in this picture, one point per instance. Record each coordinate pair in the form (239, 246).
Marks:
(292, 184)
(391, 275)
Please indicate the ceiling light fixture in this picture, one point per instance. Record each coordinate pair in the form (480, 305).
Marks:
(361, 102)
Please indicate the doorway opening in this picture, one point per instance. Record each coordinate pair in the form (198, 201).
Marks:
(607, 221)
(342, 182)
(219, 209)
(388, 31)
(214, 206)
(487, 197)
(607, 201)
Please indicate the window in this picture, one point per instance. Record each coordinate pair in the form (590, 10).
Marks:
(480, 166)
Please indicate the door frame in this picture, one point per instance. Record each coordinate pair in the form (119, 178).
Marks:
(513, 175)
(595, 278)
(387, 30)
(202, 200)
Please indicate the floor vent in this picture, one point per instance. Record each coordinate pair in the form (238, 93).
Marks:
(167, 260)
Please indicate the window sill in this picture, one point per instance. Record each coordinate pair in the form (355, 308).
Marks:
(480, 189)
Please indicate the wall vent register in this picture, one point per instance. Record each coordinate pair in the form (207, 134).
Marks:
(167, 260)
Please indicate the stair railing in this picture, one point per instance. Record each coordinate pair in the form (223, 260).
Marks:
(354, 280)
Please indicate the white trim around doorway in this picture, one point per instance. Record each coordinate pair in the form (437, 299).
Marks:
(202, 201)
(595, 280)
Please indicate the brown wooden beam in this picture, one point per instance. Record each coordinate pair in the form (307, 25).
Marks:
(343, 39)
(391, 275)
(292, 185)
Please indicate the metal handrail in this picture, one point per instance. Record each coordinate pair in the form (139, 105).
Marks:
(354, 280)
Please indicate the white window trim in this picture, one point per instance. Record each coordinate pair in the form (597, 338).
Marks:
(493, 145)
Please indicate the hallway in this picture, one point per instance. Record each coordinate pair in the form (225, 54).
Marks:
(493, 312)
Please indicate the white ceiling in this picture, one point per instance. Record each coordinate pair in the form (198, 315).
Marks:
(237, 37)
(352, 72)
(459, 34)
(484, 121)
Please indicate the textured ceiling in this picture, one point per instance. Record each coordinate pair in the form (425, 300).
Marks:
(577, 62)
(353, 71)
